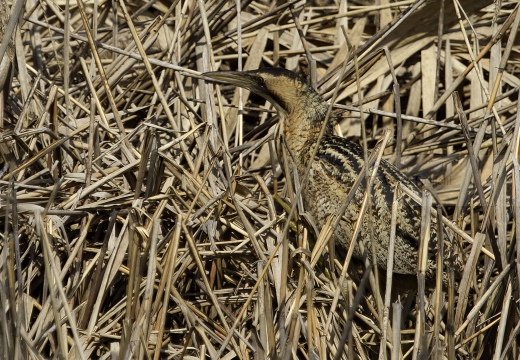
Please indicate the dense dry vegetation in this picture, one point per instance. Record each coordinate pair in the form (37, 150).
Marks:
(144, 213)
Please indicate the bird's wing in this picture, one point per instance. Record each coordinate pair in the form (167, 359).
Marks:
(344, 160)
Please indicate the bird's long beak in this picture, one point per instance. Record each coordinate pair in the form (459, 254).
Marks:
(236, 78)
(246, 81)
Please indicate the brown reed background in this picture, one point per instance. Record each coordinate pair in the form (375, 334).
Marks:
(143, 208)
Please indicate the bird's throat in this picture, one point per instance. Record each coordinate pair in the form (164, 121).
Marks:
(301, 129)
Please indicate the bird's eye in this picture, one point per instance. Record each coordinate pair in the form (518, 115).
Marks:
(260, 80)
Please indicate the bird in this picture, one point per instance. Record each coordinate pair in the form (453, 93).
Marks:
(334, 169)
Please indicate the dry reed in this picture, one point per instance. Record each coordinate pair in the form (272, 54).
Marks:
(145, 214)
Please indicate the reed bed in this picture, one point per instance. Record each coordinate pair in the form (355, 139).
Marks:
(145, 214)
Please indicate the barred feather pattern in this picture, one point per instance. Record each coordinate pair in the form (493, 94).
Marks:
(334, 170)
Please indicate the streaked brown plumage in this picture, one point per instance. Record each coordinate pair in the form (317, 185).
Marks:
(335, 168)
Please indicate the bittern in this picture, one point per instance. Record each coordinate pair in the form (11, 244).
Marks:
(334, 170)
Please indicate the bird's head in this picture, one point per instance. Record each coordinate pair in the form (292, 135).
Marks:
(287, 91)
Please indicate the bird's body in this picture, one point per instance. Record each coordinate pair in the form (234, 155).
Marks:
(335, 168)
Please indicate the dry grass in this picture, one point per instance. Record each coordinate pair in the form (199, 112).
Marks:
(144, 213)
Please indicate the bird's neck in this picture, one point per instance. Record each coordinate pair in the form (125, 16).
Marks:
(302, 126)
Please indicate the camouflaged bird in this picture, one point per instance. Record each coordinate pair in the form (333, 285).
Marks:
(335, 168)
